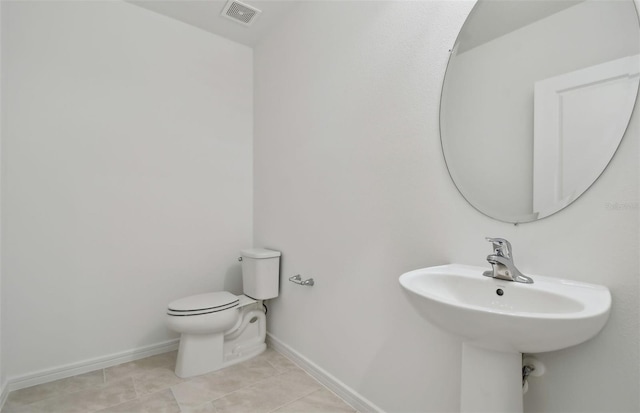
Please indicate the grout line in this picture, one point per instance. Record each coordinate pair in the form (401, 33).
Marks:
(272, 366)
(138, 399)
(241, 388)
(352, 398)
(97, 386)
(90, 365)
(135, 388)
(278, 373)
(323, 386)
(295, 400)
(61, 395)
(58, 394)
(176, 399)
(235, 390)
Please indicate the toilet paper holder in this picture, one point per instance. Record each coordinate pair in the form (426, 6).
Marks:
(297, 279)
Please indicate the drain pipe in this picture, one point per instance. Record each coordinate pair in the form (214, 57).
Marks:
(530, 367)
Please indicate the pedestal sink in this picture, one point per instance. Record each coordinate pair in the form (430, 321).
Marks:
(499, 320)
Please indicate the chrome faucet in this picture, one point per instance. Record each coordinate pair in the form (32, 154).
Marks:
(502, 264)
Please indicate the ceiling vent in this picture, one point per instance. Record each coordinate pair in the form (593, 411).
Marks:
(240, 12)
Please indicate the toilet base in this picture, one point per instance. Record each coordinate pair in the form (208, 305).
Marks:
(231, 359)
(203, 353)
(199, 354)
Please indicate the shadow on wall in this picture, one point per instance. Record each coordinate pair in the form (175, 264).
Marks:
(436, 350)
(233, 280)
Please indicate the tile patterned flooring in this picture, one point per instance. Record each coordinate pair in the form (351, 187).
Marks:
(267, 383)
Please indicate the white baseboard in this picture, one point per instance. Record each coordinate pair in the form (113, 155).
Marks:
(349, 395)
(3, 394)
(352, 397)
(85, 366)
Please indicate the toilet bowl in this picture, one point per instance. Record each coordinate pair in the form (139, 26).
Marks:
(219, 329)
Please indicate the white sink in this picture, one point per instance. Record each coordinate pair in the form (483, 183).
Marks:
(548, 315)
(499, 320)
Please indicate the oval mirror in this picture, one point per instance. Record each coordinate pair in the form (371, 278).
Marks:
(536, 98)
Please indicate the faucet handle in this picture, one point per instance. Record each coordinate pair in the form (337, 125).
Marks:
(501, 246)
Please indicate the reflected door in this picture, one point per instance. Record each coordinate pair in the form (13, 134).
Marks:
(577, 125)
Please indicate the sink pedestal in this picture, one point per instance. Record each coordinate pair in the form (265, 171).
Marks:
(491, 381)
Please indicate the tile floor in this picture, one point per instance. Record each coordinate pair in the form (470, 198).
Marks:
(267, 383)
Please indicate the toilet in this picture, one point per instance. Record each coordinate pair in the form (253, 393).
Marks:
(219, 329)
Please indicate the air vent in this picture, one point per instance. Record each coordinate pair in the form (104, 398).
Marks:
(240, 12)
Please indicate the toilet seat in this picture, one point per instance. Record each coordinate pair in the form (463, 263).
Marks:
(203, 304)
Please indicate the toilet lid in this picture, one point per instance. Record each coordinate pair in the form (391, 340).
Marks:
(204, 303)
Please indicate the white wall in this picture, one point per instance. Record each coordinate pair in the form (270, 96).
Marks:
(127, 176)
(351, 186)
(2, 375)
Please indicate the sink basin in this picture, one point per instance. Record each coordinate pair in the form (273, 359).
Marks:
(548, 315)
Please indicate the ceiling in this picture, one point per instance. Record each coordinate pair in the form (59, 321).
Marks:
(492, 19)
(205, 14)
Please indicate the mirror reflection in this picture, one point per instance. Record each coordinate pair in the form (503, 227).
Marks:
(536, 98)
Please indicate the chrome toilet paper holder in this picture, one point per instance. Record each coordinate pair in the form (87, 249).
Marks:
(297, 279)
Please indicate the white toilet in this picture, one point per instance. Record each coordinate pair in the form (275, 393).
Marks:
(220, 329)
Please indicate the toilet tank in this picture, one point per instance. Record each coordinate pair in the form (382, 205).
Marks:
(260, 273)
